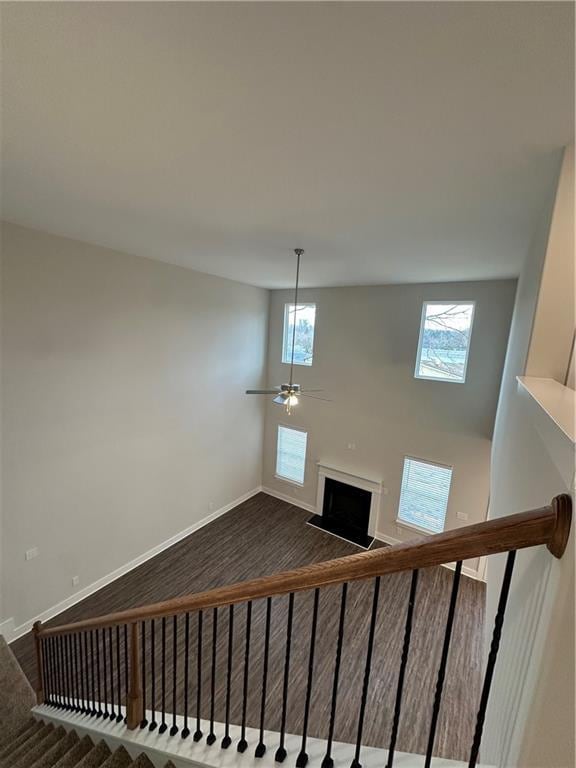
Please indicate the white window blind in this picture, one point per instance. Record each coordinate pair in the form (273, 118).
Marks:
(424, 494)
(291, 454)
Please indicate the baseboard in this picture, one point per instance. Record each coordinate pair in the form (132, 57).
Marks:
(13, 633)
(290, 499)
(478, 575)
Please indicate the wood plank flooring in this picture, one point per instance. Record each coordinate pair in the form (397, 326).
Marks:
(264, 536)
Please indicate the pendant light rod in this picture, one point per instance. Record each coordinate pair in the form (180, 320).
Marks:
(298, 252)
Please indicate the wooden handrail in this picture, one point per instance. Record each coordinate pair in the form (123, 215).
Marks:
(549, 525)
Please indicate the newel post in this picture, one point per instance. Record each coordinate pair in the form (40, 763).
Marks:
(134, 704)
(39, 662)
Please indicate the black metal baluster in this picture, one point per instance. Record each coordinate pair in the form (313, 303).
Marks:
(226, 741)
(78, 678)
(174, 729)
(45, 673)
(105, 674)
(356, 762)
(49, 685)
(111, 661)
(163, 725)
(280, 755)
(58, 664)
(261, 746)
(402, 672)
(81, 667)
(64, 700)
(243, 744)
(119, 716)
(186, 731)
(198, 732)
(492, 656)
(54, 665)
(211, 738)
(302, 759)
(98, 676)
(153, 724)
(92, 672)
(126, 670)
(143, 722)
(68, 671)
(328, 762)
(443, 663)
(84, 646)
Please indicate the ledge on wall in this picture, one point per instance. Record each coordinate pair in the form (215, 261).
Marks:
(557, 401)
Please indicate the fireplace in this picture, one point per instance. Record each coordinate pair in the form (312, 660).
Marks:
(347, 505)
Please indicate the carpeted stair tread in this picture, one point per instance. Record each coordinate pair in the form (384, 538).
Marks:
(95, 757)
(120, 759)
(72, 758)
(24, 735)
(40, 749)
(15, 708)
(30, 744)
(62, 746)
(142, 761)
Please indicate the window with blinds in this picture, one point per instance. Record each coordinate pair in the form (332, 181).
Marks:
(291, 454)
(424, 495)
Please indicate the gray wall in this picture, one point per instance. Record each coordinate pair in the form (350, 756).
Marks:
(530, 721)
(364, 357)
(124, 418)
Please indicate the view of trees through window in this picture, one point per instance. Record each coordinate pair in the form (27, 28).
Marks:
(305, 315)
(444, 341)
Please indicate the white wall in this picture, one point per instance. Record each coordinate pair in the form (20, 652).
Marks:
(124, 418)
(530, 720)
(364, 357)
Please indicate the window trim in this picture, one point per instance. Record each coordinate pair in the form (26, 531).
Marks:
(413, 526)
(276, 474)
(425, 303)
(286, 326)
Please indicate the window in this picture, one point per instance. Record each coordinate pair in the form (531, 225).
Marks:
(424, 495)
(291, 454)
(305, 315)
(444, 340)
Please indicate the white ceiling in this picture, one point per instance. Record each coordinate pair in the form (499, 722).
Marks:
(394, 141)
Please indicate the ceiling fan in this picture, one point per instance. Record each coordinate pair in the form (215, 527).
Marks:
(288, 394)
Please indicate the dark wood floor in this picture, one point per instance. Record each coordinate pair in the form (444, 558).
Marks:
(263, 536)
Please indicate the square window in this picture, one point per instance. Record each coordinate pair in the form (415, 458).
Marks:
(444, 342)
(305, 317)
(424, 495)
(291, 454)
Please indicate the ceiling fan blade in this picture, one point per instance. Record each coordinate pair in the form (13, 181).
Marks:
(263, 391)
(311, 390)
(313, 397)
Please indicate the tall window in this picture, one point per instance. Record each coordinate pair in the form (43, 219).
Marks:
(444, 340)
(291, 454)
(424, 495)
(305, 315)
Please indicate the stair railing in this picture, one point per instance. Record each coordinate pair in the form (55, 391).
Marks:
(105, 667)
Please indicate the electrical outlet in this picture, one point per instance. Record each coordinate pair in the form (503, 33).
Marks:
(462, 516)
(75, 581)
(30, 554)
(211, 506)
(351, 446)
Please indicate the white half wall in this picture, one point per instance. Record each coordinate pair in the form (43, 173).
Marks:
(123, 407)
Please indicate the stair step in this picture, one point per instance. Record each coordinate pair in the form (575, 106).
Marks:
(36, 738)
(95, 757)
(120, 759)
(24, 735)
(75, 755)
(40, 749)
(62, 747)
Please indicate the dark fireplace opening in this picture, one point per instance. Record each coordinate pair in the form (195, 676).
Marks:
(345, 512)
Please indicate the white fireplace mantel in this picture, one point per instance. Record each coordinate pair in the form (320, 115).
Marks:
(367, 484)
